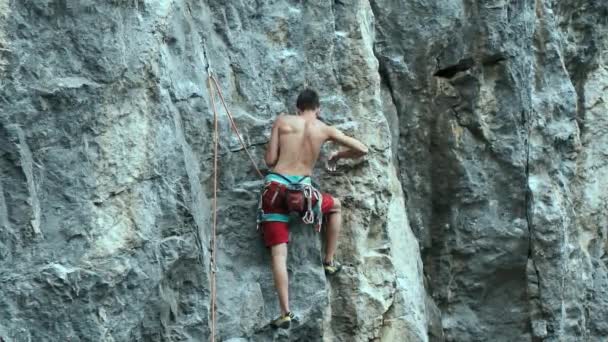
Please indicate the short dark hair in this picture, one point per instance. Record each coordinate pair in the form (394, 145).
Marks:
(308, 100)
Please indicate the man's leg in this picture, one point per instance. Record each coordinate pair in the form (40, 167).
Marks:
(279, 271)
(334, 223)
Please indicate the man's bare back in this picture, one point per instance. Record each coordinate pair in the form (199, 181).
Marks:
(300, 140)
(296, 141)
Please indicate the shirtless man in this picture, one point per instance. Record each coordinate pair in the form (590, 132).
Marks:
(292, 152)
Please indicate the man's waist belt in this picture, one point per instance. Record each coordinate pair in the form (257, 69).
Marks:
(296, 194)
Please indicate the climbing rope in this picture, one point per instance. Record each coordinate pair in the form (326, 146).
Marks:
(233, 124)
(214, 87)
(214, 228)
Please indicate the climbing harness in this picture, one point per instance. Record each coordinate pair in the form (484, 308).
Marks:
(298, 196)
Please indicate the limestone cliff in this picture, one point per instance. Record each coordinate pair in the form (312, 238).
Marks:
(487, 125)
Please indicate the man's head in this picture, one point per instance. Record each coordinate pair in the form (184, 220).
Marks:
(308, 100)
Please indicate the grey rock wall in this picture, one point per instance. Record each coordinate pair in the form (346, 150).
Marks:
(497, 104)
(107, 164)
(486, 122)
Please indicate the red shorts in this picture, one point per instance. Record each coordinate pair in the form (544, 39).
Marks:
(277, 232)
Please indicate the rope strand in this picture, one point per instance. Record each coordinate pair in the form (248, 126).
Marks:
(213, 233)
(213, 83)
(233, 124)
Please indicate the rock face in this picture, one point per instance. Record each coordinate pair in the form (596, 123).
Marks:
(499, 128)
(487, 126)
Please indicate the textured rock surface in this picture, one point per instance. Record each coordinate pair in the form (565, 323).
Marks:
(499, 105)
(488, 128)
(106, 174)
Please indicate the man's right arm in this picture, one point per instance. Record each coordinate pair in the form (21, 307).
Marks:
(354, 148)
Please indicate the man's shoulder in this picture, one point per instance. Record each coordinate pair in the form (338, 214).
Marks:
(325, 127)
(284, 117)
(281, 119)
(286, 122)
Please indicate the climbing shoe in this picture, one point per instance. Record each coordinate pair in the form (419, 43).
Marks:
(284, 321)
(332, 268)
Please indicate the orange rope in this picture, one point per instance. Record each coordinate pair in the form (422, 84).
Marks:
(215, 171)
(233, 124)
(211, 83)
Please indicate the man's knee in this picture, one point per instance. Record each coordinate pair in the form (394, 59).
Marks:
(337, 207)
(279, 250)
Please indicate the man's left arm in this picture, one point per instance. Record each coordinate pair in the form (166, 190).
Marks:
(272, 151)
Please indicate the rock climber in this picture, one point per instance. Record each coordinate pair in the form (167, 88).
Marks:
(292, 152)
